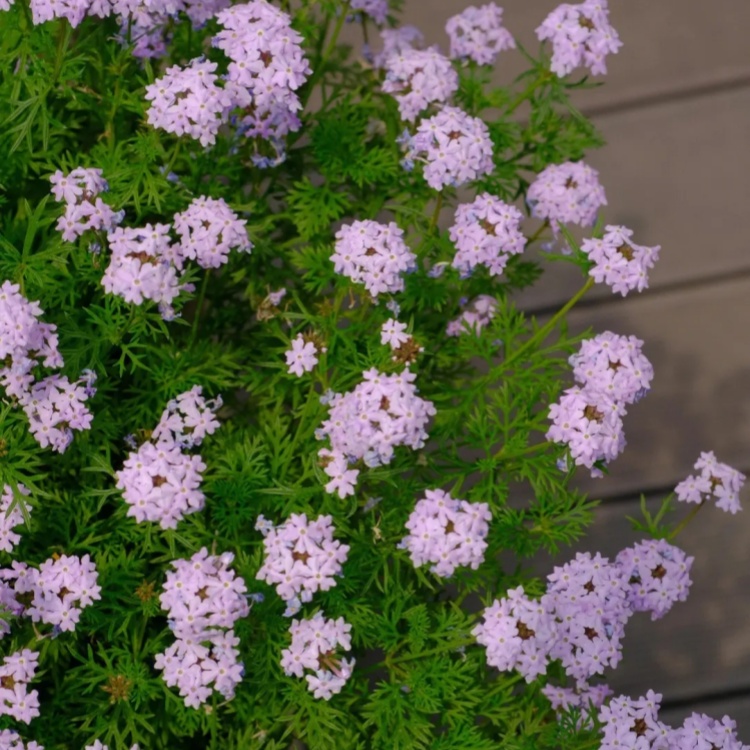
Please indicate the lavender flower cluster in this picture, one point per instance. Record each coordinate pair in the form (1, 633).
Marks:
(581, 35)
(161, 481)
(581, 619)
(301, 558)
(145, 262)
(54, 594)
(715, 480)
(84, 209)
(486, 232)
(368, 423)
(447, 532)
(612, 373)
(635, 723)
(54, 406)
(314, 654)
(373, 254)
(203, 599)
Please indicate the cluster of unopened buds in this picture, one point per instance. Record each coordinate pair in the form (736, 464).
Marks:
(404, 346)
(161, 481)
(203, 599)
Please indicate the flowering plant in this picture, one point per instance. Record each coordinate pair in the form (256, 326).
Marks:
(272, 424)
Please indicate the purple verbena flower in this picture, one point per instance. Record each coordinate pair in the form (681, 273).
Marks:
(16, 671)
(614, 365)
(715, 480)
(454, 147)
(590, 423)
(61, 588)
(55, 408)
(567, 193)
(447, 532)
(588, 599)
(518, 633)
(702, 732)
(144, 265)
(161, 483)
(302, 557)
(619, 262)
(187, 101)
(393, 333)
(314, 654)
(657, 575)
(203, 599)
(369, 422)
(581, 35)
(478, 34)
(188, 419)
(629, 723)
(9, 738)
(373, 254)
(84, 210)
(209, 230)
(418, 78)
(486, 232)
(267, 66)
(10, 520)
(301, 357)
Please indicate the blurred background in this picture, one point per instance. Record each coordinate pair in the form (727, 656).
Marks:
(675, 112)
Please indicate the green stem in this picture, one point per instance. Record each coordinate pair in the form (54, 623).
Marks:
(63, 37)
(544, 331)
(432, 652)
(531, 449)
(172, 161)
(198, 309)
(527, 92)
(538, 232)
(321, 64)
(688, 518)
(436, 213)
(214, 723)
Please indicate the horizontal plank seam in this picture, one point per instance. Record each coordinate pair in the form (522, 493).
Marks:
(665, 288)
(626, 497)
(672, 96)
(710, 697)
